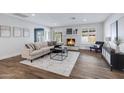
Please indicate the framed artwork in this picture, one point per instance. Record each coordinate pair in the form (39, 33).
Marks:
(17, 32)
(5, 31)
(26, 32)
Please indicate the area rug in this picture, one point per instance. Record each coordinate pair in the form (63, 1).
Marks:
(59, 67)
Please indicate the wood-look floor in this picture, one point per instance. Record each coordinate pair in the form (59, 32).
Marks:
(89, 65)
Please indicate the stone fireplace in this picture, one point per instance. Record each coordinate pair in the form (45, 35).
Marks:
(70, 41)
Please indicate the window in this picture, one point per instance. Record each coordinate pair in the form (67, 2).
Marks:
(69, 31)
(58, 36)
(89, 35)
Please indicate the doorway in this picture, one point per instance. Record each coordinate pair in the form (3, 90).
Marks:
(38, 35)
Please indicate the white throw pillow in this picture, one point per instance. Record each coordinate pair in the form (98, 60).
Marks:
(44, 44)
(98, 46)
(37, 45)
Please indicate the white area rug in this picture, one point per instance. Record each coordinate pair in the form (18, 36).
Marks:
(59, 67)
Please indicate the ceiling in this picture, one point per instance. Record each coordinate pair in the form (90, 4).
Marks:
(62, 19)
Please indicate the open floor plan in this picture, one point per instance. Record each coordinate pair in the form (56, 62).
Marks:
(62, 46)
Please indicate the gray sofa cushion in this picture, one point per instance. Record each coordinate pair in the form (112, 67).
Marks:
(52, 43)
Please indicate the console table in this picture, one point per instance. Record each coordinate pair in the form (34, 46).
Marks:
(114, 60)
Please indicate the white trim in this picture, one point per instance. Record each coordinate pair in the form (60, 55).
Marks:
(8, 56)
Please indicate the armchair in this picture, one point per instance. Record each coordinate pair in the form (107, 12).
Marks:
(97, 47)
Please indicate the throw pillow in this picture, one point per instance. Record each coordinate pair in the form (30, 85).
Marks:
(37, 46)
(27, 46)
(30, 46)
(44, 44)
(98, 46)
(33, 46)
(54, 43)
(50, 43)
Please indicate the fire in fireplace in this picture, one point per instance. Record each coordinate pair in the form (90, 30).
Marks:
(70, 42)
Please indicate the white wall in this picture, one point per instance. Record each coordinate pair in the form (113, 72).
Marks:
(98, 26)
(107, 24)
(107, 28)
(12, 46)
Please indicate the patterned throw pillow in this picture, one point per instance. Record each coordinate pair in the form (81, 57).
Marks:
(33, 46)
(27, 46)
(30, 46)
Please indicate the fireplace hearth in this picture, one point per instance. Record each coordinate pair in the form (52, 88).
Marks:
(71, 42)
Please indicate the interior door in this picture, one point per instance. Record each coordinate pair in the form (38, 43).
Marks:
(38, 35)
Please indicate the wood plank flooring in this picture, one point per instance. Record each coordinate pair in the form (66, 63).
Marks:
(89, 65)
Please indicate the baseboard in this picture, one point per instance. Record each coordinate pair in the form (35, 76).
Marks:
(8, 56)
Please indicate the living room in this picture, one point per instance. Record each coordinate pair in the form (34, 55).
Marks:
(75, 32)
(65, 46)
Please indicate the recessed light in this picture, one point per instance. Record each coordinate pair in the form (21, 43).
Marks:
(84, 20)
(33, 14)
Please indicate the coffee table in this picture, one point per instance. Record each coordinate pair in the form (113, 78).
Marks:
(59, 53)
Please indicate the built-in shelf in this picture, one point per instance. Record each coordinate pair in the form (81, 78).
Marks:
(70, 31)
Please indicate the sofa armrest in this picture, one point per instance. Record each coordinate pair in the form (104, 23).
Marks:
(26, 53)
